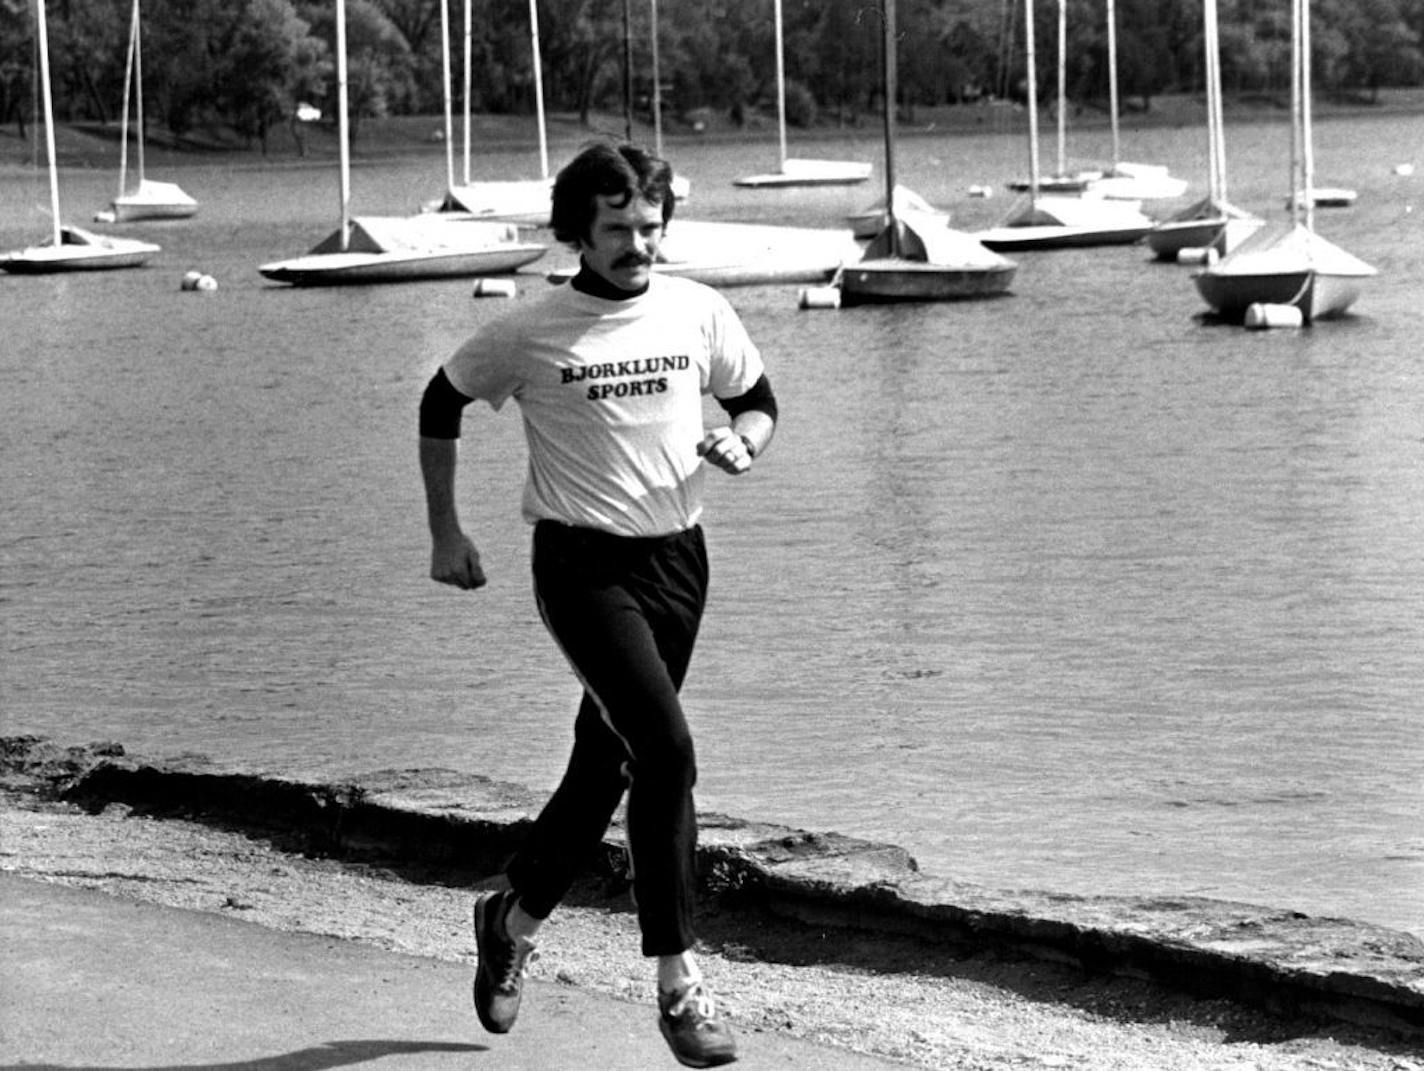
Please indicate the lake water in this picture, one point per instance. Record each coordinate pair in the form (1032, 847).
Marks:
(1068, 590)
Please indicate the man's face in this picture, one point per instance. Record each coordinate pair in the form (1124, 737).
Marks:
(623, 241)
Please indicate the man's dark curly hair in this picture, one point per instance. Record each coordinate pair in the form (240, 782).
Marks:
(604, 169)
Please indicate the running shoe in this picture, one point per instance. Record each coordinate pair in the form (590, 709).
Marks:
(499, 977)
(694, 1033)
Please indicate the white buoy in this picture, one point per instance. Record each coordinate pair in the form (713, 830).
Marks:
(1404, 170)
(190, 280)
(1260, 316)
(1192, 254)
(207, 283)
(820, 297)
(494, 288)
(981, 191)
(104, 215)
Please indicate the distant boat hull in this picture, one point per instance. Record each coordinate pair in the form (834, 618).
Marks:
(798, 172)
(515, 200)
(1223, 234)
(154, 200)
(384, 250)
(748, 254)
(1051, 236)
(884, 282)
(79, 250)
(1056, 222)
(1138, 182)
(335, 269)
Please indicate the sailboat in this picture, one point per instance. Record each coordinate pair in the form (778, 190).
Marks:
(1291, 265)
(1055, 221)
(1213, 223)
(1062, 180)
(917, 258)
(795, 171)
(69, 248)
(514, 200)
(1124, 180)
(376, 249)
(149, 199)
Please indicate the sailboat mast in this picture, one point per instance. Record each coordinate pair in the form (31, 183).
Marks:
(780, 83)
(538, 88)
(1216, 164)
(1307, 148)
(343, 125)
(1032, 74)
(627, 70)
(1295, 183)
(1062, 87)
(42, 31)
(1112, 84)
(887, 50)
(657, 83)
(465, 98)
(445, 93)
(128, 85)
(138, 89)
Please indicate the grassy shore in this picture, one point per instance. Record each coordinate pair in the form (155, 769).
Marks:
(94, 145)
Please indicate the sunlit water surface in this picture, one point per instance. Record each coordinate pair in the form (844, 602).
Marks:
(1067, 590)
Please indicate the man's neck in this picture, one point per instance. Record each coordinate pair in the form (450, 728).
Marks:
(590, 282)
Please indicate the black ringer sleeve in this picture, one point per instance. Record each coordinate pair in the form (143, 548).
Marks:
(440, 408)
(760, 397)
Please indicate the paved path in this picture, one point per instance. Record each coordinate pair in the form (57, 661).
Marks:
(92, 981)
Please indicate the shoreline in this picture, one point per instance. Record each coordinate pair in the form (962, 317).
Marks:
(94, 145)
(813, 896)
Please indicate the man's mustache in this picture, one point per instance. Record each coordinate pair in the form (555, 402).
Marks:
(633, 260)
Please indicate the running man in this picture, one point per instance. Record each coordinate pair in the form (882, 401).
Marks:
(609, 372)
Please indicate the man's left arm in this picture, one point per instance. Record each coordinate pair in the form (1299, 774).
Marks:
(753, 423)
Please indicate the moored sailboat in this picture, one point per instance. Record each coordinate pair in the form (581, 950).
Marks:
(513, 200)
(149, 199)
(795, 171)
(69, 248)
(398, 249)
(1054, 221)
(917, 258)
(1124, 180)
(1214, 222)
(1292, 265)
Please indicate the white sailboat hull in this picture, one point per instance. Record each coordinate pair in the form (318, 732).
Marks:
(154, 200)
(384, 250)
(1067, 222)
(1293, 267)
(79, 250)
(795, 172)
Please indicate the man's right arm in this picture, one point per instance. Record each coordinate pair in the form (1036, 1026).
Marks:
(453, 557)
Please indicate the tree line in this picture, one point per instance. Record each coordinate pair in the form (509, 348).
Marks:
(246, 65)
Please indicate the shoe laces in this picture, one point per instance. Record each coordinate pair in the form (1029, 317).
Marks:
(694, 1001)
(523, 952)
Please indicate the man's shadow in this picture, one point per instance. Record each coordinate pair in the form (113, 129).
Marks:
(321, 1057)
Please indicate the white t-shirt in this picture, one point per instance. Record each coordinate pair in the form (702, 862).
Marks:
(611, 395)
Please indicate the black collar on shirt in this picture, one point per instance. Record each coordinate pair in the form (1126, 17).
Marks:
(590, 282)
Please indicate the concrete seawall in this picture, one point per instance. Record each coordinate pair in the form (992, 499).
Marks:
(440, 825)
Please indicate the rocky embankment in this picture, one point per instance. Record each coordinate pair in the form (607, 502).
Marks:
(435, 826)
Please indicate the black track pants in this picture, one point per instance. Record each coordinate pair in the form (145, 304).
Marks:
(625, 612)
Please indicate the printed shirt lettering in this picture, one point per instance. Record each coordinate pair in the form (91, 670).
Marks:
(611, 396)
